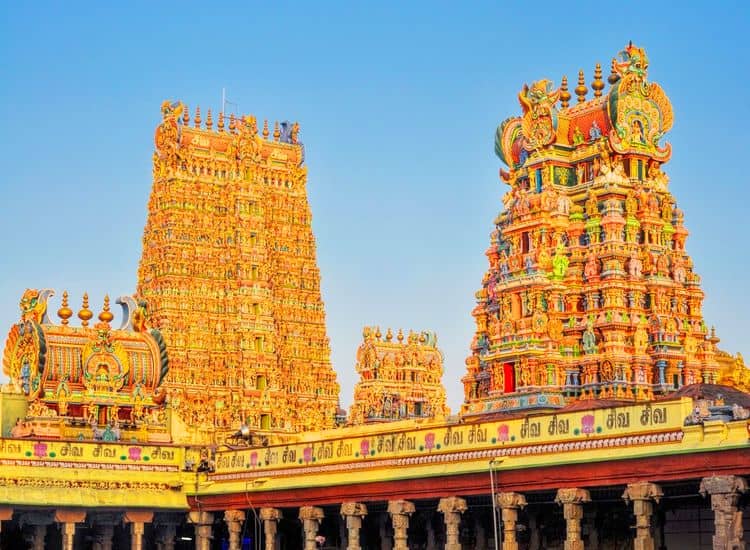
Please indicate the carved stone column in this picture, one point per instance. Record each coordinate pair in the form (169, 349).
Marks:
(103, 533)
(38, 535)
(234, 520)
(353, 512)
(480, 535)
(534, 539)
(203, 522)
(431, 542)
(166, 529)
(165, 535)
(103, 525)
(643, 495)
(572, 502)
(386, 541)
(400, 510)
(137, 520)
(311, 517)
(67, 520)
(452, 508)
(725, 492)
(270, 517)
(509, 504)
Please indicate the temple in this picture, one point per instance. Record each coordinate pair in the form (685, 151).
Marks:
(230, 276)
(598, 410)
(590, 293)
(398, 379)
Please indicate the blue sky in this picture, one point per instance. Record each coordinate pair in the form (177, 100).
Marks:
(398, 103)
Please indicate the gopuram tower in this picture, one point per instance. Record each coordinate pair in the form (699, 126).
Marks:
(590, 293)
(230, 276)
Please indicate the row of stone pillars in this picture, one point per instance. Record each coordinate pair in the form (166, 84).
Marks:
(68, 519)
(725, 492)
(312, 516)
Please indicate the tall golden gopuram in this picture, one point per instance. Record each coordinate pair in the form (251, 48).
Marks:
(398, 379)
(590, 293)
(231, 279)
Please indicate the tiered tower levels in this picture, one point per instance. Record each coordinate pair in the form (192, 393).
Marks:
(590, 292)
(230, 275)
(398, 379)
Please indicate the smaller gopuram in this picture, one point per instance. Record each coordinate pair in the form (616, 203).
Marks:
(398, 379)
(590, 292)
(86, 382)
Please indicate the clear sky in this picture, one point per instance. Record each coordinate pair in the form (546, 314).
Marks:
(398, 104)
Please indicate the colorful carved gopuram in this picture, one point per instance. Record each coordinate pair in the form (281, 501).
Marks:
(599, 412)
(398, 379)
(590, 293)
(230, 276)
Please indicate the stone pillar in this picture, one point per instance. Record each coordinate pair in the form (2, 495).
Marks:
(400, 510)
(480, 535)
(386, 541)
(534, 540)
(166, 529)
(725, 492)
(67, 520)
(431, 542)
(270, 517)
(165, 535)
(353, 512)
(311, 517)
(643, 495)
(38, 534)
(234, 520)
(103, 536)
(509, 504)
(572, 502)
(137, 520)
(203, 522)
(452, 508)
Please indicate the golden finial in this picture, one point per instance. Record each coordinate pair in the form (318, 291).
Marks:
(221, 122)
(232, 123)
(106, 315)
(581, 90)
(265, 129)
(197, 119)
(276, 131)
(378, 334)
(422, 338)
(400, 336)
(564, 93)
(389, 335)
(85, 314)
(598, 84)
(64, 312)
(209, 120)
(613, 76)
(185, 115)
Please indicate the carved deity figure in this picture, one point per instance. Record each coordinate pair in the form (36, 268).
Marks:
(591, 269)
(635, 266)
(592, 206)
(589, 339)
(560, 263)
